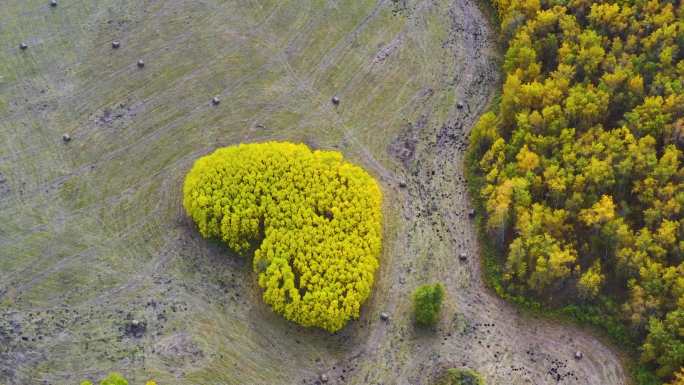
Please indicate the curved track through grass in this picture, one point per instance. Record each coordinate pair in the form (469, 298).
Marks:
(93, 235)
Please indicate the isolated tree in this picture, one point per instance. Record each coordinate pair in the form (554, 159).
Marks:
(427, 302)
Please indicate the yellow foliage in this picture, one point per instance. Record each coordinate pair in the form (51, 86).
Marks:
(679, 378)
(591, 117)
(314, 219)
(559, 261)
(527, 160)
(636, 84)
(601, 212)
(591, 281)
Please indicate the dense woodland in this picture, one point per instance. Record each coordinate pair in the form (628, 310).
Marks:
(579, 165)
(313, 221)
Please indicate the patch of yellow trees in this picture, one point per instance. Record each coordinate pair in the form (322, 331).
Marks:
(580, 164)
(312, 220)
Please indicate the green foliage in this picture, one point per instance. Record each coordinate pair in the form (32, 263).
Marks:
(645, 376)
(664, 343)
(313, 219)
(461, 377)
(115, 379)
(112, 379)
(603, 316)
(578, 168)
(427, 303)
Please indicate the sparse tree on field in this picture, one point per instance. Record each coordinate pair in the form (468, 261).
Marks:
(427, 302)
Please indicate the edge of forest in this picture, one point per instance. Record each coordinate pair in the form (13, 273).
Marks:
(599, 321)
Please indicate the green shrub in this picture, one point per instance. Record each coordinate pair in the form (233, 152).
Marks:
(112, 379)
(313, 219)
(115, 379)
(461, 377)
(427, 303)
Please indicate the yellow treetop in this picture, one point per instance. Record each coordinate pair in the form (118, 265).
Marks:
(313, 219)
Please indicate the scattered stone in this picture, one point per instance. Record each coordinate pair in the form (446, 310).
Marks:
(116, 44)
(141, 63)
(53, 3)
(66, 138)
(402, 184)
(335, 100)
(135, 328)
(23, 46)
(324, 378)
(471, 213)
(215, 100)
(384, 316)
(578, 355)
(463, 256)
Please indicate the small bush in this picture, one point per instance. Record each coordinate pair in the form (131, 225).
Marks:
(115, 379)
(427, 303)
(461, 377)
(112, 379)
(313, 221)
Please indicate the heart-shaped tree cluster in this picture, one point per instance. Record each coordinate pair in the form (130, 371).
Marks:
(313, 220)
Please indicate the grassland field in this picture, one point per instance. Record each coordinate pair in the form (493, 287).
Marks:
(93, 234)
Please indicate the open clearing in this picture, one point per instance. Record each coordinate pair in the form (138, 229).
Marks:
(93, 235)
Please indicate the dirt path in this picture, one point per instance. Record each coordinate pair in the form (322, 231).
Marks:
(479, 330)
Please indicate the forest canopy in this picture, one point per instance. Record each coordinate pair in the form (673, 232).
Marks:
(312, 220)
(579, 163)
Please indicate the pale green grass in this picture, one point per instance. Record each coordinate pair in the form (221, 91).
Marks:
(96, 224)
